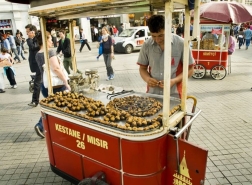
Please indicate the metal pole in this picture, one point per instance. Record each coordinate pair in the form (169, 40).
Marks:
(185, 58)
(73, 58)
(46, 56)
(183, 129)
(177, 153)
(196, 20)
(167, 64)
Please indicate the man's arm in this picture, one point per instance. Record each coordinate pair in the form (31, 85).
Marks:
(31, 45)
(151, 82)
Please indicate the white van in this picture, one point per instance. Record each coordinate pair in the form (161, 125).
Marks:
(131, 39)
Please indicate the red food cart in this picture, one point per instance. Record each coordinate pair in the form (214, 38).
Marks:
(211, 50)
(83, 145)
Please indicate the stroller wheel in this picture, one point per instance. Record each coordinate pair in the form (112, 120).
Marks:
(31, 89)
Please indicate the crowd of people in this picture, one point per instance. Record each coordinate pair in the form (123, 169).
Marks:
(11, 49)
(243, 34)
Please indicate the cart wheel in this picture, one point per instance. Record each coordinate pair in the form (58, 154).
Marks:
(218, 72)
(199, 71)
(88, 182)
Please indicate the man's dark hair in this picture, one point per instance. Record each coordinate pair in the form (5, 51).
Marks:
(156, 23)
(62, 31)
(31, 27)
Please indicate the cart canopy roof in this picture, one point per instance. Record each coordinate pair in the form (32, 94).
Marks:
(69, 9)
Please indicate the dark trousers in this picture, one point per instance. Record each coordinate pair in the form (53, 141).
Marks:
(85, 42)
(11, 77)
(14, 50)
(108, 60)
(54, 39)
(20, 51)
(37, 83)
(240, 40)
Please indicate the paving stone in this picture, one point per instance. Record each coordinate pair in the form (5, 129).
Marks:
(222, 180)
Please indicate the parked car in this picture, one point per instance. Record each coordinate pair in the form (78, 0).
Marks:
(131, 39)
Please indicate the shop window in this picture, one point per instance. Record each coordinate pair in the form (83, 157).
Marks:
(5, 26)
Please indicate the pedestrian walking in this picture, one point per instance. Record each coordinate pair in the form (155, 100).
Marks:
(65, 48)
(31, 31)
(231, 43)
(54, 37)
(99, 46)
(18, 41)
(115, 31)
(84, 41)
(54, 65)
(108, 52)
(9, 71)
(5, 43)
(247, 36)
(179, 30)
(240, 37)
(13, 47)
(23, 41)
(96, 34)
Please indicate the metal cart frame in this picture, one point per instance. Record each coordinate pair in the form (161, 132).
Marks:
(213, 61)
(158, 157)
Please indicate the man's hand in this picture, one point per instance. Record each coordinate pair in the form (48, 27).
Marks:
(172, 83)
(152, 82)
(31, 34)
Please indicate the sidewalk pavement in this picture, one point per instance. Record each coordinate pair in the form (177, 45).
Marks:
(224, 126)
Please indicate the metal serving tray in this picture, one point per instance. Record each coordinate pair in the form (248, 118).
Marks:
(105, 98)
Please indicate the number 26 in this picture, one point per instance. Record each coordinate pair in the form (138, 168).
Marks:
(80, 144)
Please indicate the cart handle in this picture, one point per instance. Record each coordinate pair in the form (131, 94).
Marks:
(183, 129)
(194, 100)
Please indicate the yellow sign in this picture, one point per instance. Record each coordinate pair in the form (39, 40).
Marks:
(80, 141)
(209, 53)
(183, 178)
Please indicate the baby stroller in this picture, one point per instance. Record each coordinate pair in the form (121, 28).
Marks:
(31, 83)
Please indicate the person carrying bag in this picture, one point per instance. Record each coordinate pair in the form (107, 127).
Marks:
(57, 72)
(6, 63)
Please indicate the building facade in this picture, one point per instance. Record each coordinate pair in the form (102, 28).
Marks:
(13, 16)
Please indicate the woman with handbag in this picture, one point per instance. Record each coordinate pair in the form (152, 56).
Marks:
(55, 68)
(8, 70)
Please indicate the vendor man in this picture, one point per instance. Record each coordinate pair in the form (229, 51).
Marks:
(151, 59)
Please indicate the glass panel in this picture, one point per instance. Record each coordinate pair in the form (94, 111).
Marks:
(212, 38)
